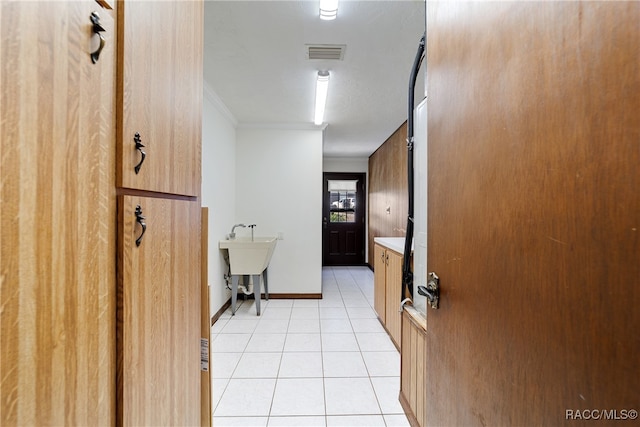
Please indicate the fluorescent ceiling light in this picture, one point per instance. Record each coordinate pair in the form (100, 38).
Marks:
(328, 9)
(322, 87)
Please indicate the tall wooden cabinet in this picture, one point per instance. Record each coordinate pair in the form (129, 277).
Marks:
(158, 177)
(387, 189)
(94, 328)
(58, 215)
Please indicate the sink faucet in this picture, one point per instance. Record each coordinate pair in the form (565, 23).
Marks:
(232, 235)
(252, 226)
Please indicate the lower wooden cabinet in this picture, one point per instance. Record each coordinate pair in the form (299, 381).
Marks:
(158, 321)
(393, 316)
(413, 370)
(387, 288)
(379, 281)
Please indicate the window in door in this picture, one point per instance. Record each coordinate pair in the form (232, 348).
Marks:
(342, 200)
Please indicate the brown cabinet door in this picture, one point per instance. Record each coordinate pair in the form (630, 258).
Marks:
(413, 375)
(393, 319)
(533, 212)
(160, 84)
(159, 312)
(57, 215)
(379, 278)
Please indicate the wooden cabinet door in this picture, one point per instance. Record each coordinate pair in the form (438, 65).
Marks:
(160, 89)
(413, 374)
(158, 331)
(379, 278)
(57, 216)
(393, 320)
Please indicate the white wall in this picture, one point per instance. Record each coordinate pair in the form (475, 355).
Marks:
(218, 187)
(420, 155)
(345, 164)
(279, 188)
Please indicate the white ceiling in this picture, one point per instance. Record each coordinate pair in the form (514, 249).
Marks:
(255, 61)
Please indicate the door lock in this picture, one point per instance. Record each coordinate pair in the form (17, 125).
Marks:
(432, 290)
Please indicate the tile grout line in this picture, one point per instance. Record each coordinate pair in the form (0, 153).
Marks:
(368, 370)
(353, 285)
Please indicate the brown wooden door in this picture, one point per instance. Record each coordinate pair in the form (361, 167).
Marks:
(57, 216)
(159, 313)
(534, 211)
(343, 220)
(160, 81)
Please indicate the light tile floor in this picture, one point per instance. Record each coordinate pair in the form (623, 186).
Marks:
(303, 363)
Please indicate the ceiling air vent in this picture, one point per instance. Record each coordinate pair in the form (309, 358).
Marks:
(326, 51)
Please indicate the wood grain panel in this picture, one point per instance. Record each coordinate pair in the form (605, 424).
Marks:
(393, 318)
(57, 207)
(413, 378)
(388, 188)
(160, 85)
(412, 349)
(533, 210)
(379, 280)
(421, 375)
(206, 387)
(159, 313)
(406, 361)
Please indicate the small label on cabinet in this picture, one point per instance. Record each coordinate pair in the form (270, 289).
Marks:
(204, 354)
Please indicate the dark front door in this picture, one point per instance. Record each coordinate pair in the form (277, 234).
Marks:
(533, 213)
(343, 211)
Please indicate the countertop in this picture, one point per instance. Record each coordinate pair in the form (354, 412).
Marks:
(396, 244)
(417, 317)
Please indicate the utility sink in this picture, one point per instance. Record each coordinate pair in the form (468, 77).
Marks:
(247, 256)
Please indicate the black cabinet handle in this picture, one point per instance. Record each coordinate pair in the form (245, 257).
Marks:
(140, 220)
(138, 140)
(97, 29)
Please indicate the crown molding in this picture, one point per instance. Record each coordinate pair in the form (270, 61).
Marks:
(213, 97)
(284, 126)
